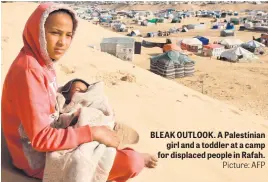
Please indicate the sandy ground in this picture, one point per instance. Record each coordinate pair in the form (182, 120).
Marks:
(148, 102)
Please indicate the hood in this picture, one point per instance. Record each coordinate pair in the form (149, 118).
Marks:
(34, 31)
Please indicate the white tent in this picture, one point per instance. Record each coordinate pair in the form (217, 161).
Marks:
(249, 25)
(254, 43)
(231, 43)
(184, 29)
(192, 41)
(238, 53)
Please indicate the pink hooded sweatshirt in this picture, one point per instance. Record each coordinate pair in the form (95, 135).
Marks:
(28, 101)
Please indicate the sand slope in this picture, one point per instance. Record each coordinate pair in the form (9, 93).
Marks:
(146, 102)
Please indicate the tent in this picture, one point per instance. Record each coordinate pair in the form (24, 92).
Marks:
(231, 43)
(204, 40)
(254, 47)
(226, 33)
(218, 16)
(175, 20)
(255, 44)
(215, 26)
(234, 21)
(172, 64)
(161, 20)
(223, 15)
(135, 33)
(230, 26)
(238, 54)
(184, 29)
(173, 30)
(191, 44)
(213, 50)
(154, 20)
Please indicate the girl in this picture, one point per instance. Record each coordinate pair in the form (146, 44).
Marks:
(29, 97)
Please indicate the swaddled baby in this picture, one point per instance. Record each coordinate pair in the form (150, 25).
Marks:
(77, 94)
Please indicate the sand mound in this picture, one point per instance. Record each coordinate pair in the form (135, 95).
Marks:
(146, 102)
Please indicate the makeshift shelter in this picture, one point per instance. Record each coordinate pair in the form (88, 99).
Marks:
(242, 28)
(173, 30)
(172, 65)
(254, 47)
(184, 29)
(171, 47)
(231, 43)
(121, 47)
(192, 45)
(223, 15)
(214, 50)
(235, 21)
(218, 16)
(148, 44)
(261, 28)
(226, 33)
(161, 20)
(154, 20)
(175, 20)
(237, 54)
(230, 26)
(249, 25)
(196, 26)
(134, 33)
(152, 34)
(215, 26)
(204, 40)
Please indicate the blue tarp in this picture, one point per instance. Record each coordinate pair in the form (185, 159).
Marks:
(204, 40)
(215, 27)
(229, 26)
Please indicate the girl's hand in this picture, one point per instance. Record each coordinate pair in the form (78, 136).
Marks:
(105, 135)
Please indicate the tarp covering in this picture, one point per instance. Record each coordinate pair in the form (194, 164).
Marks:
(191, 41)
(234, 21)
(238, 53)
(229, 26)
(254, 44)
(227, 42)
(171, 47)
(204, 40)
(225, 33)
(172, 65)
(154, 20)
(173, 56)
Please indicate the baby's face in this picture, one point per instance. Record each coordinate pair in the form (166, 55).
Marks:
(77, 87)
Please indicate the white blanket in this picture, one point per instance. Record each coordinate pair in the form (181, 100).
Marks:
(89, 162)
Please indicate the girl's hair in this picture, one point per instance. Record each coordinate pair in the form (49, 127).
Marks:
(65, 11)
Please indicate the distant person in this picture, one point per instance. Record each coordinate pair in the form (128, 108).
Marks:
(29, 100)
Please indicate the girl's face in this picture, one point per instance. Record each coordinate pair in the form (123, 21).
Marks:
(59, 32)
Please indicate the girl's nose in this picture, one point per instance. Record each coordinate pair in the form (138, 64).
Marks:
(62, 41)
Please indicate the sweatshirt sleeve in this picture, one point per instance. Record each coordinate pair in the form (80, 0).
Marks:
(34, 109)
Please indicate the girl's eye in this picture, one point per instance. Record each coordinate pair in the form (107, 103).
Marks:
(69, 35)
(55, 32)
